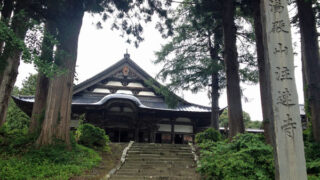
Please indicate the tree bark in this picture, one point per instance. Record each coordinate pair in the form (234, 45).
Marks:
(262, 71)
(309, 43)
(11, 56)
(39, 105)
(305, 85)
(214, 49)
(232, 70)
(5, 16)
(58, 108)
(215, 101)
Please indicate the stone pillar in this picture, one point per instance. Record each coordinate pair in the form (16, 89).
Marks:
(283, 99)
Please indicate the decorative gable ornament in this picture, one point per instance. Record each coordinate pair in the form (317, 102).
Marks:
(125, 71)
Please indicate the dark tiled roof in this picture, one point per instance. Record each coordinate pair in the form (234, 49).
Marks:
(80, 97)
(140, 102)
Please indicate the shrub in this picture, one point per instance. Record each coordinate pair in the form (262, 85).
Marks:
(92, 136)
(51, 162)
(19, 159)
(14, 141)
(245, 157)
(312, 153)
(209, 134)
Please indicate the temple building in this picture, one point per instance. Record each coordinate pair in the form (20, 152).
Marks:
(120, 101)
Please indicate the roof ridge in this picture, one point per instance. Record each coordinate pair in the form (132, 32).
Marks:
(146, 75)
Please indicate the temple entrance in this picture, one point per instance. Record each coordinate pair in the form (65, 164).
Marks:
(158, 138)
(119, 134)
(124, 136)
(178, 139)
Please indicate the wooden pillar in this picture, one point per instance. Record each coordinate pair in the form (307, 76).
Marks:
(137, 126)
(281, 89)
(136, 134)
(172, 121)
(195, 130)
(119, 137)
(153, 137)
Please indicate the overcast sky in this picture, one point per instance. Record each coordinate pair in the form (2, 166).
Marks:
(100, 48)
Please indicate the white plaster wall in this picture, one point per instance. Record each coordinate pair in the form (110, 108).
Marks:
(164, 127)
(182, 119)
(126, 109)
(183, 129)
(114, 83)
(100, 90)
(124, 92)
(115, 109)
(146, 93)
(133, 84)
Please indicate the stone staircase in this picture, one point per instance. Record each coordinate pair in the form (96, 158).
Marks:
(159, 162)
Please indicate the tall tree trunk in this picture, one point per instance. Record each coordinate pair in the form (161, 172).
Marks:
(262, 71)
(11, 56)
(58, 109)
(215, 101)
(311, 62)
(214, 54)
(5, 16)
(39, 105)
(235, 116)
(305, 86)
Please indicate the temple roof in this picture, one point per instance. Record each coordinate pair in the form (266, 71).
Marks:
(123, 76)
(97, 101)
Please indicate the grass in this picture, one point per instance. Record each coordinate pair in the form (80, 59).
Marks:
(109, 161)
(52, 162)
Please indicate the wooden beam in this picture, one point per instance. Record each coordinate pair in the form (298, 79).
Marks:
(123, 87)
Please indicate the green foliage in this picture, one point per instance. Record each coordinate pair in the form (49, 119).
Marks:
(224, 120)
(245, 157)
(209, 134)
(19, 159)
(93, 137)
(14, 140)
(195, 51)
(16, 119)
(170, 98)
(253, 124)
(10, 38)
(48, 163)
(29, 85)
(312, 154)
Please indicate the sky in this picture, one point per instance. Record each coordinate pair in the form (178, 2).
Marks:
(100, 48)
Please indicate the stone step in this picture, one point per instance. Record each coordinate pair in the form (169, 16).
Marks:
(160, 153)
(180, 156)
(160, 166)
(162, 146)
(159, 144)
(156, 170)
(124, 177)
(160, 149)
(156, 173)
(158, 161)
(157, 166)
(136, 150)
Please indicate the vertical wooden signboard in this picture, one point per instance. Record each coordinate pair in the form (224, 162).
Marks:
(287, 131)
